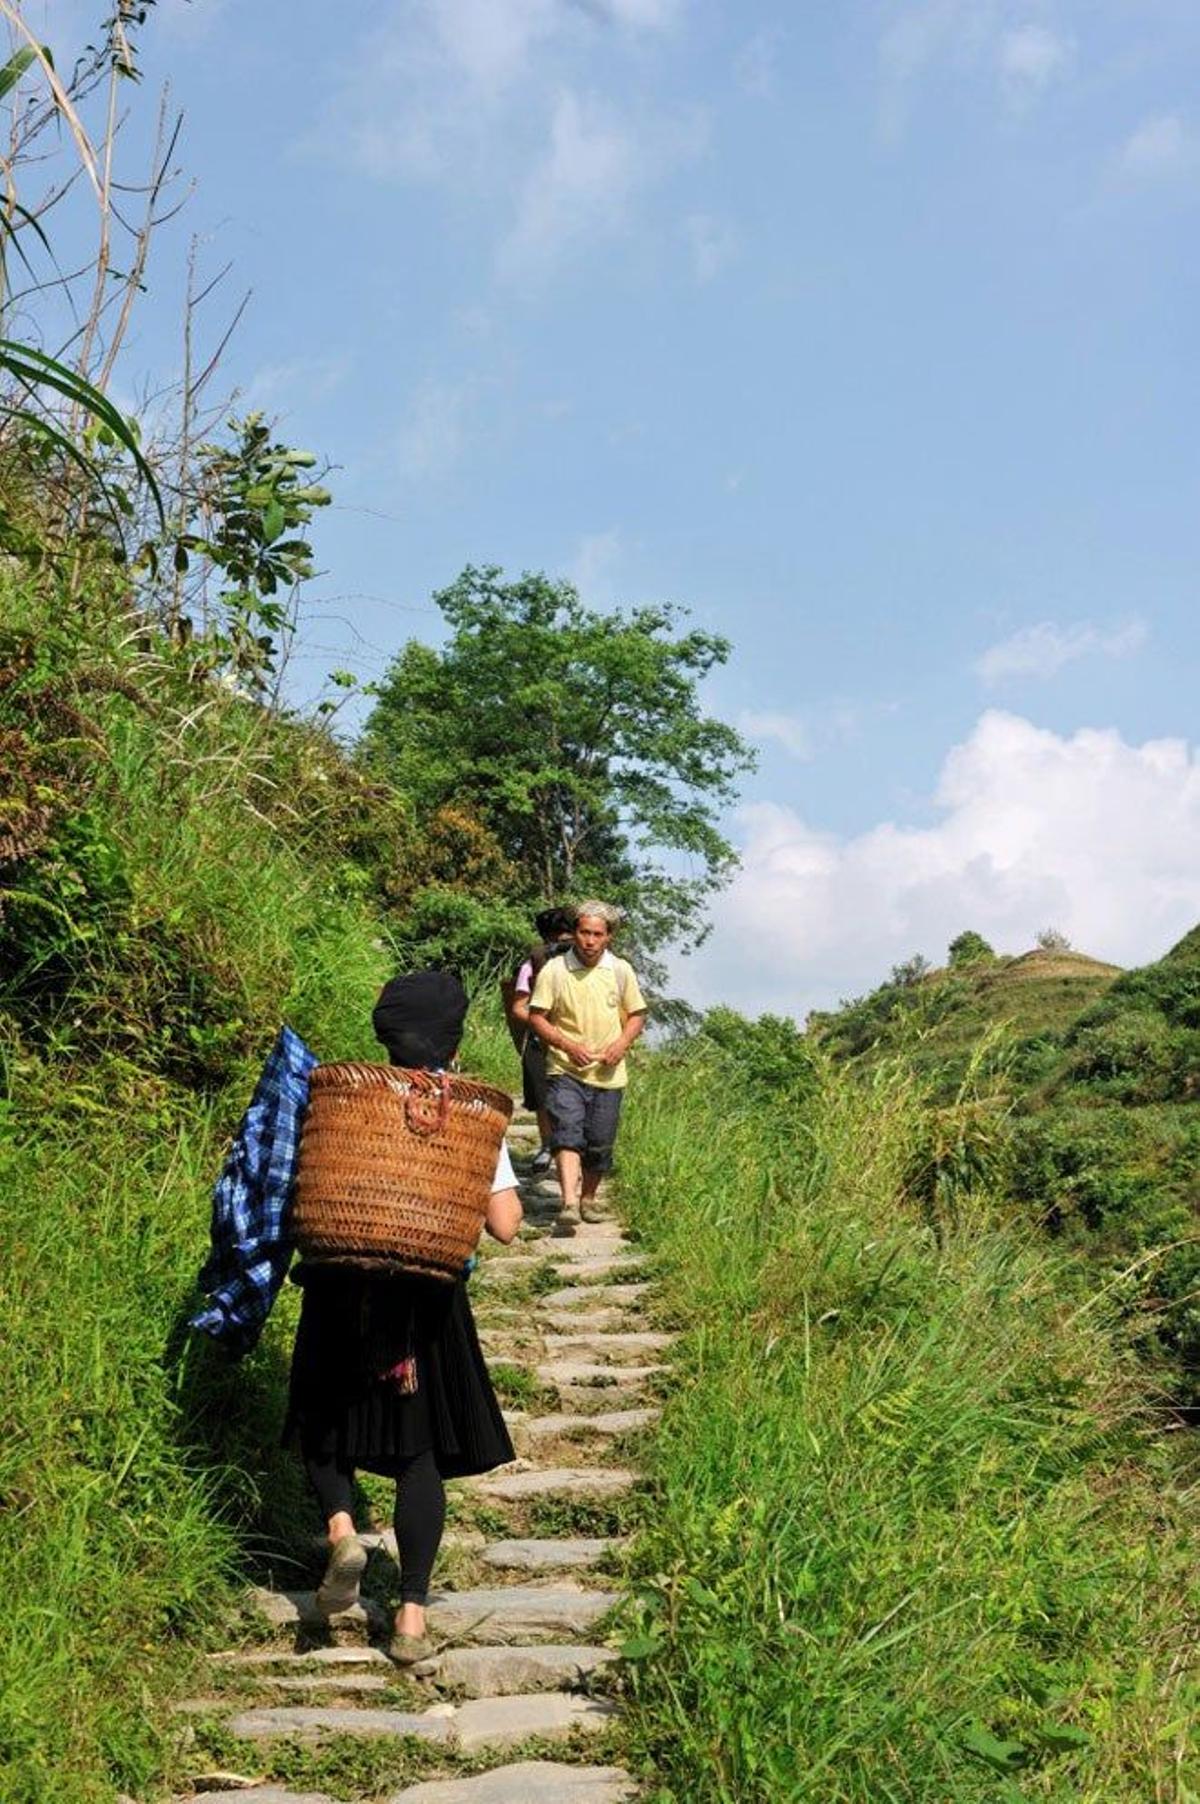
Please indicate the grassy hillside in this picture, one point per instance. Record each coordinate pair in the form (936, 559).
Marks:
(180, 870)
(939, 1017)
(913, 1537)
(1094, 1071)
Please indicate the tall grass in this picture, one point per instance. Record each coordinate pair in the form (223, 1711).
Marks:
(914, 1536)
(177, 925)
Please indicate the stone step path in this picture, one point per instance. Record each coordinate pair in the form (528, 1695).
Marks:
(524, 1656)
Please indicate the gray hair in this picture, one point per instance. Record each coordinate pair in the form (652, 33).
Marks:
(599, 911)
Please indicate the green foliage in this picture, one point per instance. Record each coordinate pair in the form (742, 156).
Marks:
(768, 1055)
(251, 496)
(908, 1535)
(576, 738)
(969, 948)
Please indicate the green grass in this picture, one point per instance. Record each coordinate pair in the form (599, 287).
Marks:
(913, 1536)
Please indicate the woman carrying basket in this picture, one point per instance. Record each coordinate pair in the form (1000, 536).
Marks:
(387, 1373)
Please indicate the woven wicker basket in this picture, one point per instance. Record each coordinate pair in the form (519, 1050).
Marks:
(396, 1168)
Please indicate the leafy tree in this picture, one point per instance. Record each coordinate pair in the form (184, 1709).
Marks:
(577, 738)
(909, 972)
(969, 948)
(1052, 939)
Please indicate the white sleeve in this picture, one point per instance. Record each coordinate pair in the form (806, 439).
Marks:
(506, 1177)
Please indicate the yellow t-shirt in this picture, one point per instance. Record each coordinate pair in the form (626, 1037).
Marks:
(590, 1003)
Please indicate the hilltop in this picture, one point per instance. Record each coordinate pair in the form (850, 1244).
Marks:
(1094, 1070)
(938, 1016)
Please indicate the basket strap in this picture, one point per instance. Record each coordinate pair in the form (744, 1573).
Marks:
(426, 1115)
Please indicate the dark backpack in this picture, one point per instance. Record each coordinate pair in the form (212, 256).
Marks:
(538, 955)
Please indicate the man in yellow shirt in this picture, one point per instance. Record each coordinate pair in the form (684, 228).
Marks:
(588, 1009)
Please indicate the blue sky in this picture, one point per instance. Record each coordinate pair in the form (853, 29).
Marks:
(867, 332)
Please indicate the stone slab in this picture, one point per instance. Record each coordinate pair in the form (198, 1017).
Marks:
(257, 1794)
(505, 1671)
(526, 1782)
(558, 1481)
(503, 1722)
(310, 1722)
(586, 1244)
(517, 1613)
(575, 1296)
(347, 1684)
(604, 1346)
(585, 1321)
(298, 1609)
(612, 1421)
(537, 1555)
(579, 1373)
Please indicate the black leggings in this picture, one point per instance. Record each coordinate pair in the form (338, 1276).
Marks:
(419, 1518)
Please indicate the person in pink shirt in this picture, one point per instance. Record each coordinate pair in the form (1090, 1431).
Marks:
(555, 925)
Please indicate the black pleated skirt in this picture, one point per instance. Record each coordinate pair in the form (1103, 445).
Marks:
(356, 1328)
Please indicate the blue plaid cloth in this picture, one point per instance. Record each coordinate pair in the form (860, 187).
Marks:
(250, 1245)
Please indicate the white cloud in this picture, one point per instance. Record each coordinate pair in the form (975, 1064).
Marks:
(993, 38)
(712, 244)
(275, 386)
(1030, 57)
(1099, 836)
(1161, 148)
(1045, 649)
(788, 729)
(583, 186)
(434, 432)
(754, 64)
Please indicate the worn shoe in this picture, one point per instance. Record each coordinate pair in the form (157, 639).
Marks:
(339, 1588)
(592, 1212)
(410, 1650)
(541, 1162)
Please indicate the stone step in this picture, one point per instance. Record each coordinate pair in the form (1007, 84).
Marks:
(557, 1481)
(514, 1614)
(578, 1374)
(533, 1555)
(505, 1671)
(613, 1421)
(586, 1321)
(526, 1782)
(484, 1722)
(535, 1253)
(298, 1609)
(502, 1722)
(605, 1346)
(576, 1296)
(310, 1722)
(353, 1684)
(589, 1240)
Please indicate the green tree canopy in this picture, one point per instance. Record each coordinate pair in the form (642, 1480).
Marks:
(969, 948)
(577, 738)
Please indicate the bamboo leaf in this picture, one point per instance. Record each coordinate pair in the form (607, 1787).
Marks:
(14, 69)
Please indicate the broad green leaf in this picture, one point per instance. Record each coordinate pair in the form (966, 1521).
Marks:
(1001, 1756)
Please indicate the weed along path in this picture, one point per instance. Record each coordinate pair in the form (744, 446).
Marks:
(517, 1707)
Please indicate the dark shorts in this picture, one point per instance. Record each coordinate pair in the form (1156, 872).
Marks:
(583, 1119)
(533, 1073)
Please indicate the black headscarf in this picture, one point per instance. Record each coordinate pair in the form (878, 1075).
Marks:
(419, 1018)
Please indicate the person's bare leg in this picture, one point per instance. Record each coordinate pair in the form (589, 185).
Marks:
(568, 1163)
(410, 1620)
(543, 1121)
(590, 1209)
